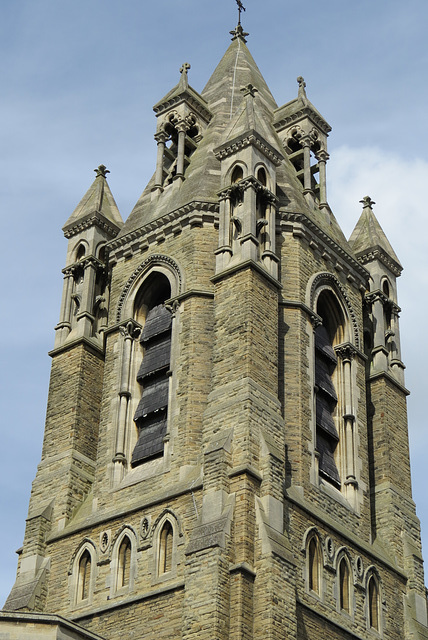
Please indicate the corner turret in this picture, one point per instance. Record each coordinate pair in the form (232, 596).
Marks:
(373, 250)
(94, 222)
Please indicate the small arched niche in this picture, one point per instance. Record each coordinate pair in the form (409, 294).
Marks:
(237, 174)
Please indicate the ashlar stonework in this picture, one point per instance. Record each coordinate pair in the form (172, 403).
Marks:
(231, 330)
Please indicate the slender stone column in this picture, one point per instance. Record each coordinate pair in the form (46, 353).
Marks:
(128, 332)
(64, 325)
(346, 353)
(85, 317)
(379, 352)
(160, 139)
(181, 128)
(249, 242)
(322, 157)
(224, 251)
(306, 144)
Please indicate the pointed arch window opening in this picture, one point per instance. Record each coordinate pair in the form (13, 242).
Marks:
(314, 566)
(333, 396)
(153, 374)
(84, 577)
(373, 603)
(344, 586)
(124, 563)
(166, 546)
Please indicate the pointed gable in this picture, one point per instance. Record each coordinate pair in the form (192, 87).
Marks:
(97, 205)
(368, 239)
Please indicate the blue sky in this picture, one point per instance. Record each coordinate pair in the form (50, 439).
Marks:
(78, 81)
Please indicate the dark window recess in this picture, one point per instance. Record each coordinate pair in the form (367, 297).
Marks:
(151, 414)
(326, 401)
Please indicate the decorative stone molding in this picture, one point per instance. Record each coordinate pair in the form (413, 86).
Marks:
(377, 253)
(171, 223)
(306, 111)
(96, 219)
(332, 281)
(149, 263)
(245, 140)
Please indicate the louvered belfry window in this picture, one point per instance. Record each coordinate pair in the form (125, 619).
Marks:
(326, 401)
(153, 375)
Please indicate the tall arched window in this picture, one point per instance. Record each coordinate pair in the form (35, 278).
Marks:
(124, 563)
(327, 335)
(373, 603)
(344, 586)
(84, 576)
(314, 565)
(153, 374)
(166, 542)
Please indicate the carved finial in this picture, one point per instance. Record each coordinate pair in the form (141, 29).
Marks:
(240, 8)
(185, 68)
(249, 90)
(302, 92)
(239, 33)
(101, 171)
(367, 202)
(184, 81)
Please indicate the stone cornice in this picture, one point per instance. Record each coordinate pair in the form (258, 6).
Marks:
(195, 213)
(305, 111)
(251, 137)
(96, 218)
(92, 345)
(373, 377)
(377, 253)
(286, 217)
(197, 103)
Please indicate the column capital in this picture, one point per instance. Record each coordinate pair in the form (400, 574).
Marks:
(322, 155)
(130, 330)
(346, 351)
(161, 136)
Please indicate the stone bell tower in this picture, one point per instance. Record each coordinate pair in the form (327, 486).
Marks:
(226, 447)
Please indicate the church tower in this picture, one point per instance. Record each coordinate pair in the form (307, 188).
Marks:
(226, 449)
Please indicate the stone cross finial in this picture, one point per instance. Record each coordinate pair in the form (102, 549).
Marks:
(185, 68)
(367, 202)
(249, 90)
(302, 84)
(101, 171)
